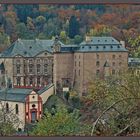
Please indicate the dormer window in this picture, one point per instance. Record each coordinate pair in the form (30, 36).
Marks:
(30, 47)
(111, 47)
(83, 47)
(89, 47)
(104, 47)
(97, 47)
(25, 52)
(98, 40)
(118, 46)
(105, 40)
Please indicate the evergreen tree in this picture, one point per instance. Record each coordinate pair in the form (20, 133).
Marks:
(73, 27)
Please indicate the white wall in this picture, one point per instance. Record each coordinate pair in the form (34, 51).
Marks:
(46, 94)
(21, 113)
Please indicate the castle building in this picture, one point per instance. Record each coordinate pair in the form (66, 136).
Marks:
(28, 63)
(75, 66)
(37, 63)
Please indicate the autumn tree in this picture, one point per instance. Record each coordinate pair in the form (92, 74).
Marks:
(115, 103)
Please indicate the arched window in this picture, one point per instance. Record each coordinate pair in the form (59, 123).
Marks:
(17, 110)
(7, 107)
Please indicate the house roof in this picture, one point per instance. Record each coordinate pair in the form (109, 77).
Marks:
(44, 89)
(31, 48)
(96, 44)
(15, 94)
(134, 62)
(19, 94)
(28, 48)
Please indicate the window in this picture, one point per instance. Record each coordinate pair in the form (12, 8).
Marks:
(33, 105)
(79, 72)
(75, 63)
(38, 80)
(119, 72)
(2, 72)
(31, 80)
(38, 61)
(75, 72)
(97, 63)
(18, 81)
(113, 72)
(30, 61)
(7, 107)
(38, 68)
(30, 68)
(66, 82)
(97, 56)
(120, 56)
(45, 61)
(18, 61)
(113, 56)
(113, 64)
(18, 68)
(120, 63)
(97, 72)
(45, 68)
(79, 64)
(17, 109)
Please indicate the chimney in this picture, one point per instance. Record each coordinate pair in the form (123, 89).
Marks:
(88, 38)
(122, 43)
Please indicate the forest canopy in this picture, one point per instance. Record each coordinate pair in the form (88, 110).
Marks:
(71, 22)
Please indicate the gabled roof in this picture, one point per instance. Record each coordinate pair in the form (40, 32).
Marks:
(28, 48)
(15, 94)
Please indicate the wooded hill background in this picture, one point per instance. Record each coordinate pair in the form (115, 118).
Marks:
(70, 22)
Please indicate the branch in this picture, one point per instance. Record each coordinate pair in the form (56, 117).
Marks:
(94, 124)
(117, 134)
